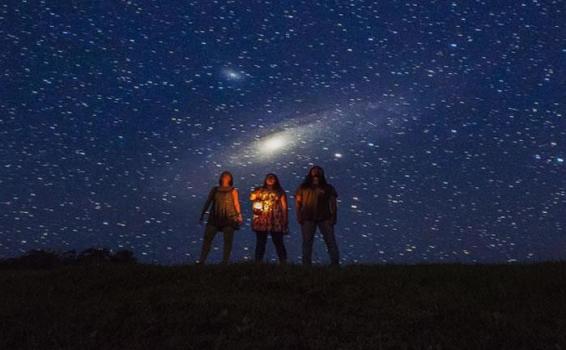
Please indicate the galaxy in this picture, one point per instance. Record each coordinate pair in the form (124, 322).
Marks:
(441, 124)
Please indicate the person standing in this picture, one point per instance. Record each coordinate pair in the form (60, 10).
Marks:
(316, 207)
(224, 216)
(270, 217)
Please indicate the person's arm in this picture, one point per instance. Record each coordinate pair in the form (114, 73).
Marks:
(333, 206)
(206, 204)
(237, 205)
(285, 207)
(254, 194)
(298, 206)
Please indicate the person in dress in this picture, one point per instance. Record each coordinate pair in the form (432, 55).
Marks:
(224, 216)
(270, 217)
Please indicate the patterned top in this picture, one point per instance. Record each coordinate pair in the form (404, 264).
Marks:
(268, 213)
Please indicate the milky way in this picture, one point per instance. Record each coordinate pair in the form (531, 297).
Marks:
(441, 124)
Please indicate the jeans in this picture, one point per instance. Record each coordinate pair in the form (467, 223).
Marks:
(308, 229)
(277, 238)
(209, 233)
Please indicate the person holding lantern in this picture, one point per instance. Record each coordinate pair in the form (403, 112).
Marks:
(315, 204)
(270, 216)
(225, 216)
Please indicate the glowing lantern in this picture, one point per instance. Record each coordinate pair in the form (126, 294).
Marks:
(257, 207)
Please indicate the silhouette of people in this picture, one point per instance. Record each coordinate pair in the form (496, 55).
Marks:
(315, 203)
(270, 216)
(225, 216)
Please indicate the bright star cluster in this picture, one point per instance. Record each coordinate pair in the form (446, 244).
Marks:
(232, 75)
(273, 143)
(442, 125)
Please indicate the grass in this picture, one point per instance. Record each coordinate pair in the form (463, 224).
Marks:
(243, 306)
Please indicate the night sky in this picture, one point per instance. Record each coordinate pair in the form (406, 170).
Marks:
(441, 124)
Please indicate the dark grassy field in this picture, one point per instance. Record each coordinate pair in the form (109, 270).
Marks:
(269, 307)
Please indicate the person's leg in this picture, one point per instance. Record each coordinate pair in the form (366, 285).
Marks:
(327, 230)
(277, 238)
(307, 230)
(209, 233)
(228, 232)
(261, 241)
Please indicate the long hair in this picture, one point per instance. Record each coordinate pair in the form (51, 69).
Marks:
(226, 173)
(277, 186)
(308, 179)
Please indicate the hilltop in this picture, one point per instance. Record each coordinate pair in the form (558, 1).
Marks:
(244, 306)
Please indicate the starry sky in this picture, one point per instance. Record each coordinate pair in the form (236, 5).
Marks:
(441, 124)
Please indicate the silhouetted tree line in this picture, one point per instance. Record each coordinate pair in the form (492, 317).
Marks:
(43, 259)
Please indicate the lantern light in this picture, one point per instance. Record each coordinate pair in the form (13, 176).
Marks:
(258, 205)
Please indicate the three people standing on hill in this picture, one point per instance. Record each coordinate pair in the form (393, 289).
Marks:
(315, 203)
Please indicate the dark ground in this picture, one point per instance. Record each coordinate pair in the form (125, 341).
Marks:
(241, 306)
